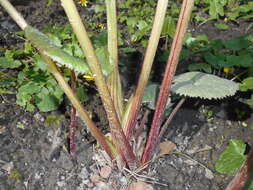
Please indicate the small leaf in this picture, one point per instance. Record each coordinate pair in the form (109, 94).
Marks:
(5, 63)
(232, 158)
(197, 84)
(216, 60)
(221, 26)
(82, 94)
(200, 66)
(150, 95)
(238, 43)
(216, 8)
(47, 103)
(169, 27)
(247, 84)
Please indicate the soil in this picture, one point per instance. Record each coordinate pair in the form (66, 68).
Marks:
(36, 158)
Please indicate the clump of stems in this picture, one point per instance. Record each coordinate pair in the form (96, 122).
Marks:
(122, 118)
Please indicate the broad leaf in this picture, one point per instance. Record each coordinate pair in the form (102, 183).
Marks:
(232, 158)
(197, 84)
(238, 43)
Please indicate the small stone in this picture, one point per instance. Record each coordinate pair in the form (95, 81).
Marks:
(39, 117)
(8, 167)
(95, 179)
(140, 186)
(61, 183)
(105, 172)
(84, 174)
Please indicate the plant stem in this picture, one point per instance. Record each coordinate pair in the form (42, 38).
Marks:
(167, 79)
(78, 106)
(118, 137)
(113, 82)
(171, 116)
(146, 68)
(73, 122)
(14, 14)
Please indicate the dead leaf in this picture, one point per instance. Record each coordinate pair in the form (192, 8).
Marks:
(166, 147)
(140, 186)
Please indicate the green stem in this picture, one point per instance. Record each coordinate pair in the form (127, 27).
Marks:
(135, 103)
(167, 79)
(114, 83)
(118, 137)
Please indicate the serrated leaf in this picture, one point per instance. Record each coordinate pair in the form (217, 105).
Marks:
(44, 44)
(232, 158)
(197, 84)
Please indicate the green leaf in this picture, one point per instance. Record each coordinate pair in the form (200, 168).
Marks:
(216, 60)
(243, 60)
(232, 158)
(221, 26)
(238, 43)
(150, 95)
(200, 66)
(246, 84)
(81, 93)
(5, 91)
(5, 63)
(47, 103)
(197, 84)
(103, 56)
(169, 27)
(40, 62)
(250, 101)
(216, 8)
(44, 44)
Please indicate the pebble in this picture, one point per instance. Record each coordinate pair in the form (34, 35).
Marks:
(84, 174)
(105, 172)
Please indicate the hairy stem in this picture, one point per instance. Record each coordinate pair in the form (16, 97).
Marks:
(167, 79)
(118, 137)
(146, 68)
(113, 82)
